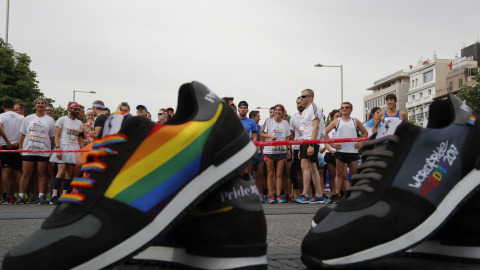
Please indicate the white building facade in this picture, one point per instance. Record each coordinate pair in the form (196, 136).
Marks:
(425, 79)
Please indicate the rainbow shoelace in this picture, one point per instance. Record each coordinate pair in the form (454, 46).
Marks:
(99, 149)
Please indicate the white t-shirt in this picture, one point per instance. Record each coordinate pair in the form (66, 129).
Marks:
(306, 126)
(38, 131)
(70, 130)
(347, 130)
(280, 131)
(295, 127)
(332, 135)
(11, 122)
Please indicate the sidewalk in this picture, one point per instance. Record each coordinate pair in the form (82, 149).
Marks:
(287, 225)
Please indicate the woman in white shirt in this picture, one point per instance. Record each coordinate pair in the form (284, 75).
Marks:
(276, 129)
(37, 133)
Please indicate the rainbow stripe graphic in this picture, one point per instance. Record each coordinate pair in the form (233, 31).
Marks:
(162, 165)
(472, 120)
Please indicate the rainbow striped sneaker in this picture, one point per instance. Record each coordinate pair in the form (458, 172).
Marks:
(135, 183)
(217, 233)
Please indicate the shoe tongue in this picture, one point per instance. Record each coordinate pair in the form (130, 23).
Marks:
(114, 123)
(462, 111)
(389, 127)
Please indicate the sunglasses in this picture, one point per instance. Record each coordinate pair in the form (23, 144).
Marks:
(305, 96)
(233, 105)
(160, 114)
(345, 107)
(76, 110)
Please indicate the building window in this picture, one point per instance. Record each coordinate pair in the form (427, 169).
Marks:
(416, 82)
(421, 95)
(429, 92)
(450, 86)
(412, 82)
(413, 97)
(428, 76)
(460, 83)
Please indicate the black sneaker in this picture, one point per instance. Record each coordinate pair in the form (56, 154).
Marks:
(218, 233)
(459, 239)
(54, 200)
(20, 200)
(410, 181)
(41, 200)
(4, 201)
(139, 179)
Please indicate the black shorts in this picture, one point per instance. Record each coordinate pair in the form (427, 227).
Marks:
(347, 157)
(303, 152)
(330, 159)
(10, 160)
(274, 157)
(35, 158)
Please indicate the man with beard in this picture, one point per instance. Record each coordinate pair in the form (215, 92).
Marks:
(249, 124)
(296, 134)
(67, 137)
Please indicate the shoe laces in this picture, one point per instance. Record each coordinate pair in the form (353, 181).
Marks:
(372, 160)
(99, 149)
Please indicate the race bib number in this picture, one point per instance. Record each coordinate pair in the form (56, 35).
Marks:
(72, 133)
(37, 140)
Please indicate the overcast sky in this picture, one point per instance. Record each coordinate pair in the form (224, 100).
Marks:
(261, 51)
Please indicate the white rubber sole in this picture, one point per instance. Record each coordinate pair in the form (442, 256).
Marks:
(435, 248)
(180, 256)
(444, 209)
(178, 204)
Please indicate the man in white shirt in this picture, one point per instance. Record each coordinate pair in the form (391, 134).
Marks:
(312, 127)
(10, 124)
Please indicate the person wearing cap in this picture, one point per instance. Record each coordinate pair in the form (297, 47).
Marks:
(37, 133)
(249, 124)
(170, 111)
(96, 130)
(391, 112)
(67, 137)
(141, 110)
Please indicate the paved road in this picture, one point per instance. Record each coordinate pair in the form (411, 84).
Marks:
(287, 225)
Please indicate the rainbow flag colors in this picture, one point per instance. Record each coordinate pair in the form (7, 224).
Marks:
(472, 120)
(166, 161)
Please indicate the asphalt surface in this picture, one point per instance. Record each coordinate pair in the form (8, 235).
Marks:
(287, 225)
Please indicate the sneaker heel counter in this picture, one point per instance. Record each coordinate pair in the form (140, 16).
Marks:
(226, 138)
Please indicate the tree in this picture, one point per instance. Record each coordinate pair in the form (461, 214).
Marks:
(59, 112)
(17, 81)
(471, 94)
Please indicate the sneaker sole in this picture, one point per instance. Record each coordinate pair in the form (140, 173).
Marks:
(180, 256)
(446, 208)
(434, 248)
(197, 188)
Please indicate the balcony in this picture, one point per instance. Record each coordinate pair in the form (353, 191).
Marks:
(425, 114)
(419, 116)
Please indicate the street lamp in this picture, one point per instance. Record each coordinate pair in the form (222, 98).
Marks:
(91, 92)
(341, 74)
(6, 25)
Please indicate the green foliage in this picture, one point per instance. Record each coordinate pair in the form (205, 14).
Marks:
(59, 112)
(17, 81)
(471, 94)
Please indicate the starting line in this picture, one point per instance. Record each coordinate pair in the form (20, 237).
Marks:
(258, 143)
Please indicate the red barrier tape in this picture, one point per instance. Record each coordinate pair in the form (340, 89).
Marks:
(258, 143)
(44, 151)
(298, 142)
